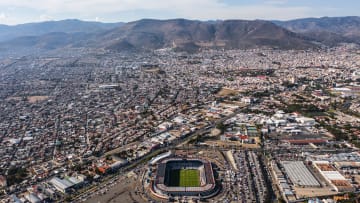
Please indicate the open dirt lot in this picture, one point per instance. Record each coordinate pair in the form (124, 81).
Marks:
(121, 191)
(34, 99)
(312, 192)
(227, 92)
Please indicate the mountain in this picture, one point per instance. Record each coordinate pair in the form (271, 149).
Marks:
(329, 30)
(180, 34)
(65, 26)
(39, 45)
(48, 41)
(187, 34)
(147, 34)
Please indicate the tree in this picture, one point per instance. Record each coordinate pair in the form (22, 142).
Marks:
(281, 200)
(16, 175)
(108, 157)
(221, 127)
(68, 198)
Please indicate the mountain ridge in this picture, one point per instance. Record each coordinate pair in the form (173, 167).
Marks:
(228, 34)
(9, 32)
(334, 29)
(185, 35)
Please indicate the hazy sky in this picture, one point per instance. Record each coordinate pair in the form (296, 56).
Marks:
(23, 11)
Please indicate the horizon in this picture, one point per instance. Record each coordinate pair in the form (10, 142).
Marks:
(205, 20)
(17, 12)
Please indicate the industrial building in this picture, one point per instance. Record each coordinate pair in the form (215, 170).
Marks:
(299, 174)
(65, 185)
(333, 176)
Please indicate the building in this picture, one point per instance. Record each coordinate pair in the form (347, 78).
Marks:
(160, 157)
(333, 177)
(61, 185)
(306, 121)
(299, 174)
(3, 182)
(33, 198)
(305, 141)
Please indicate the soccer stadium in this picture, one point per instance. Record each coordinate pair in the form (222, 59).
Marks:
(176, 177)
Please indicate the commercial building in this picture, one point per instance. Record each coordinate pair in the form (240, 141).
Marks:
(299, 174)
(333, 177)
(64, 185)
(61, 185)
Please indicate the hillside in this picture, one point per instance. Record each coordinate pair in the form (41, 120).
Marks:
(231, 34)
(330, 30)
(65, 26)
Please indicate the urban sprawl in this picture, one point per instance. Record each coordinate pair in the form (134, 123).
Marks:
(257, 125)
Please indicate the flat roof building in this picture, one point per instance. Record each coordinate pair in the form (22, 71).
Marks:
(62, 185)
(299, 174)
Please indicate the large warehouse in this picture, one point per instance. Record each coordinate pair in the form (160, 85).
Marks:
(299, 174)
(178, 177)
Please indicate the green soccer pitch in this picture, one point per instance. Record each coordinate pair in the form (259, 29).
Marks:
(185, 178)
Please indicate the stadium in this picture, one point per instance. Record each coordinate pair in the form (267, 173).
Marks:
(176, 177)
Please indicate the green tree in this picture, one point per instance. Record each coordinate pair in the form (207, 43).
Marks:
(221, 127)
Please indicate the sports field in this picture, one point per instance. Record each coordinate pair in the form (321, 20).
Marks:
(184, 178)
